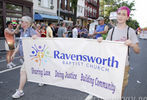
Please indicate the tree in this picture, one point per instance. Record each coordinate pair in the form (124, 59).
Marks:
(74, 7)
(133, 23)
(113, 5)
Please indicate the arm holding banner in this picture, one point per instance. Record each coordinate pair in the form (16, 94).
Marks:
(100, 39)
(134, 46)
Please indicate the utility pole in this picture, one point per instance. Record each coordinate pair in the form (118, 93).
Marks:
(59, 11)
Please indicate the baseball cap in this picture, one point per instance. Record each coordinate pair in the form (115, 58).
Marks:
(100, 18)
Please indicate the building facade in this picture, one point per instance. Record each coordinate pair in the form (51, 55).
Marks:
(13, 10)
(92, 9)
(81, 19)
(87, 11)
(45, 11)
(66, 11)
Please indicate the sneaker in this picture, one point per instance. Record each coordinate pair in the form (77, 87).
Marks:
(18, 94)
(40, 84)
(9, 66)
(12, 64)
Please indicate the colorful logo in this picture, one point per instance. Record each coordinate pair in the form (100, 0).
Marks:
(40, 54)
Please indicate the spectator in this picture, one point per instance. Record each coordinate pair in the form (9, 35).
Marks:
(10, 42)
(101, 29)
(75, 32)
(43, 30)
(49, 32)
(61, 30)
(38, 26)
(84, 32)
(54, 31)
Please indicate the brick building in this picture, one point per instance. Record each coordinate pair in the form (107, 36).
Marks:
(13, 10)
(66, 11)
(92, 9)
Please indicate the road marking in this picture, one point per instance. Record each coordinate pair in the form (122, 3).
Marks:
(5, 59)
(89, 97)
(10, 69)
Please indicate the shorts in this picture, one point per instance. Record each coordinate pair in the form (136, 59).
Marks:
(9, 46)
(126, 77)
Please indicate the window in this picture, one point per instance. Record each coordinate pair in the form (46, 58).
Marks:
(81, 9)
(1, 4)
(51, 2)
(14, 14)
(13, 7)
(39, 2)
(78, 8)
(27, 9)
(70, 4)
(65, 3)
(51, 5)
(45, 3)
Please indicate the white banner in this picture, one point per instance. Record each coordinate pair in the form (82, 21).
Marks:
(82, 64)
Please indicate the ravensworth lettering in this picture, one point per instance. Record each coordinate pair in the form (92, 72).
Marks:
(90, 61)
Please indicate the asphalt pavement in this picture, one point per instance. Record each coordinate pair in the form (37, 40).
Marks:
(9, 81)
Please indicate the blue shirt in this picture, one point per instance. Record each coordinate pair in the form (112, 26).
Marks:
(100, 28)
(28, 33)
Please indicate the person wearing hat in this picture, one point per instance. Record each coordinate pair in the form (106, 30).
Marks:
(101, 29)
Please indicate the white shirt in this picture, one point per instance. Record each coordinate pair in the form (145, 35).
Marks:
(75, 33)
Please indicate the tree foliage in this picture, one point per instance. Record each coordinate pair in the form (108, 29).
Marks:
(113, 5)
(133, 23)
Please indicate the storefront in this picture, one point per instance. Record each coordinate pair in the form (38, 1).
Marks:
(13, 10)
(46, 18)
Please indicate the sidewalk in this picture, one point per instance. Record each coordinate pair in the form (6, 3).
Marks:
(2, 44)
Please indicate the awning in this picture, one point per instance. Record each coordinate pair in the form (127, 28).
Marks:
(44, 16)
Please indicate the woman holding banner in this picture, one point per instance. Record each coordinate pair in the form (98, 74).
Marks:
(26, 31)
(125, 34)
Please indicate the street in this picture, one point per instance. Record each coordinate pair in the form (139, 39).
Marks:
(9, 81)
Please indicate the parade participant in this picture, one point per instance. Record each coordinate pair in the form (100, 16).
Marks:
(10, 42)
(126, 34)
(26, 31)
(49, 32)
(101, 29)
